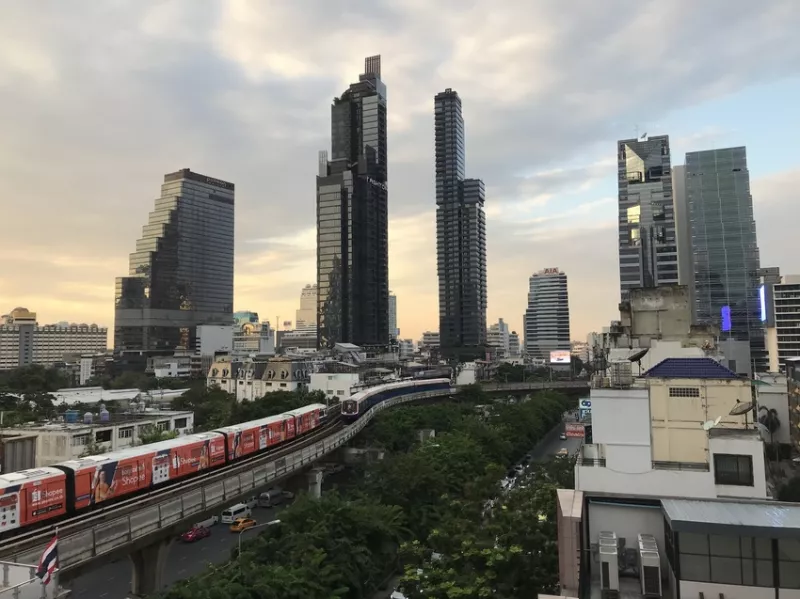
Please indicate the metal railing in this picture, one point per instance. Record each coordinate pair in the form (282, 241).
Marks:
(599, 462)
(91, 536)
(692, 466)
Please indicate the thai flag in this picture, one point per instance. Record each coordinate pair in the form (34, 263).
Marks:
(48, 562)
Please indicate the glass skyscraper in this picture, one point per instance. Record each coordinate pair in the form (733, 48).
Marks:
(352, 218)
(648, 253)
(460, 237)
(725, 251)
(181, 274)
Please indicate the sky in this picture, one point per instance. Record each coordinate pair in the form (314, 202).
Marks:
(98, 100)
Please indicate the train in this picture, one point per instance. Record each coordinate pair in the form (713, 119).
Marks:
(32, 497)
(359, 403)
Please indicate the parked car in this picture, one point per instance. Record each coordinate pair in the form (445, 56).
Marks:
(563, 436)
(195, 534)
(242, 524)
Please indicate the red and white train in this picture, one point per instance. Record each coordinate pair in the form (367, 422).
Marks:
(31, 497)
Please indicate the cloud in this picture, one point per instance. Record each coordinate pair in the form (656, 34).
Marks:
(106, 97)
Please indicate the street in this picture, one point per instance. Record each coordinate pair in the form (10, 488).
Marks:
(185, 560)
(551, 444)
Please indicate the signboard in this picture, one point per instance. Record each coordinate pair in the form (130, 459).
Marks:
(574, 429)
(551, 271)
(560, 356)
(585, 404)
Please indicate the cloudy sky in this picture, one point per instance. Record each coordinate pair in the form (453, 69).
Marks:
(98, 99)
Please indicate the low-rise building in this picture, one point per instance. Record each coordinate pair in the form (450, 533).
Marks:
(338, 386)
(252, 379)
(405, 348)
(102, 432)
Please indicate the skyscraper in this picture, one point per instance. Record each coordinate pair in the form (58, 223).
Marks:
(306, 316)
(181, 274)
(726, 256)
(648, 254)
(352, 218)
(394, 332)
(547, 316)
(460, 237)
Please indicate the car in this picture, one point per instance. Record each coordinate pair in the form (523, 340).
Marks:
(242, 524)
(562, 453)
(195, 534)
(563, 436)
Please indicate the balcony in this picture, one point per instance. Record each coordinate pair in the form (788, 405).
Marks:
(684, 466)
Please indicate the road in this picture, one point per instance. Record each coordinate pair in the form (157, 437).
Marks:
(185, 560)
(551, 444)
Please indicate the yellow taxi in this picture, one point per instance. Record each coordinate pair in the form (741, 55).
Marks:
(241, 524)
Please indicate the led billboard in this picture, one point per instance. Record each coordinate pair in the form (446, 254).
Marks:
(762, 297)
(560, 356)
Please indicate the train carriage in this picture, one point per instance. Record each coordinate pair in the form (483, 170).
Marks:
(361, 402)
(94, 479)
(31, 496)
(250, 437)
(308, 417)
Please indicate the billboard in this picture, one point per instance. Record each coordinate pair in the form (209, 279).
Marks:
(560, 356)
(762, 297)
(574, 429)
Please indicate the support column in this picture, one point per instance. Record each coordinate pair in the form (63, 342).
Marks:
(147, 565)
(315, 483)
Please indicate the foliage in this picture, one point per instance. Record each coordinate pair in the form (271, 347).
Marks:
(32, 379)
(151, 434)
(428, 498)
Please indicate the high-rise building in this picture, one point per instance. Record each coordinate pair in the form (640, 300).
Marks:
(498, 336)
(779, 299)
(547, 316)
(648, 254)
(394, 332)
(460, 237)
(352, 218)
(683, 230)
(306, 316)
(513, 345)
(726, 257)
(181, 274)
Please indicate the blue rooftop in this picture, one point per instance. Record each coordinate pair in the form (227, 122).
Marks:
(690, 368)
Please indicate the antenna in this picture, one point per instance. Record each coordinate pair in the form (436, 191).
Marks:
(741, 408)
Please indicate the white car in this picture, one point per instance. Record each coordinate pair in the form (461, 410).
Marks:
(563, 436)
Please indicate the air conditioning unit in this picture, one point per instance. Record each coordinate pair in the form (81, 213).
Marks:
(649, 566)
(609, 564)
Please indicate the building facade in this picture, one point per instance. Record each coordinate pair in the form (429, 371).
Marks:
(252, 379)
(394, 332)
(499, 337)
(547, 316)
(23, 341)
(460, 236)
(648, 253)
(726, 257)
(181, 274)
(352, 218)
(513, 345)
(779, 299)
(306, 315)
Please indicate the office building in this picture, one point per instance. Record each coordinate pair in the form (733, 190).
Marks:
(460, 237)
(498, 337)
(547, 316)
(394, 332)
(352, 218)
(648, 254)
(683, 230)
(513, 345)
(726, 258)
(181, 274)
(23, 341)
(779, 306)
(306, 316)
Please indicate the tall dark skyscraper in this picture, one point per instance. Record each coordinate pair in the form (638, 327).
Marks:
(352, 218)
(725, 252)
(460, 237)
(648, 251)
(181, 274)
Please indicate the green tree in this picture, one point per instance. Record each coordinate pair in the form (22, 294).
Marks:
(151, 434)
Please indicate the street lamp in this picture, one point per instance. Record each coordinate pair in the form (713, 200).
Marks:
(241, 532)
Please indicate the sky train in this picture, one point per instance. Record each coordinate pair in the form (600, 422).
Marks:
(31, 497)
(362, 401)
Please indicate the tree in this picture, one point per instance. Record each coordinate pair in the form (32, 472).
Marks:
(151, 434)
(790, 491)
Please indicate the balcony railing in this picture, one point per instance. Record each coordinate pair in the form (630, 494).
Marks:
(691, 466)
(599, 462)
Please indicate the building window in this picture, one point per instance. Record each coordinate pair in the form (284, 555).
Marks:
(181, 422)
(103, 436)
(80, 440)
(125, 433)
(684, 392)
(163, 425)
(733, 470)
(727, 560)
(789, 563)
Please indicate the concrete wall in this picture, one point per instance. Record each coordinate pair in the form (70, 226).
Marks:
(747, 444)
(692, 590)
(775, 396)
(621, 424)
(628, 522)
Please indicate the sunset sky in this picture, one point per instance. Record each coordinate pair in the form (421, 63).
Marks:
(98, 100)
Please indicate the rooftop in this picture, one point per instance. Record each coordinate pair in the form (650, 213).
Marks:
(757, 518)
(691, 368)
(742, 433)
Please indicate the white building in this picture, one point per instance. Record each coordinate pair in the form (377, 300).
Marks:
(650, 466)
(23, 341)
(430, 340)
(780, 312)
(59, 442)
(547, 316)
(306, 316)
(214, 339)
(338, 386)
(249, 379)
(513, 345)
(497, 335)
(406, 348)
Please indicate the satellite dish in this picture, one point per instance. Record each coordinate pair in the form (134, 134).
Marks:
(709, 424)
(741, 408)
(765, 434)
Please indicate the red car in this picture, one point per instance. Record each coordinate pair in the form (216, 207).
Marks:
(197, 533)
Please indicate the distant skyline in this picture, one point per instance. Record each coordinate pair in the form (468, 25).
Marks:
(105, 102)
